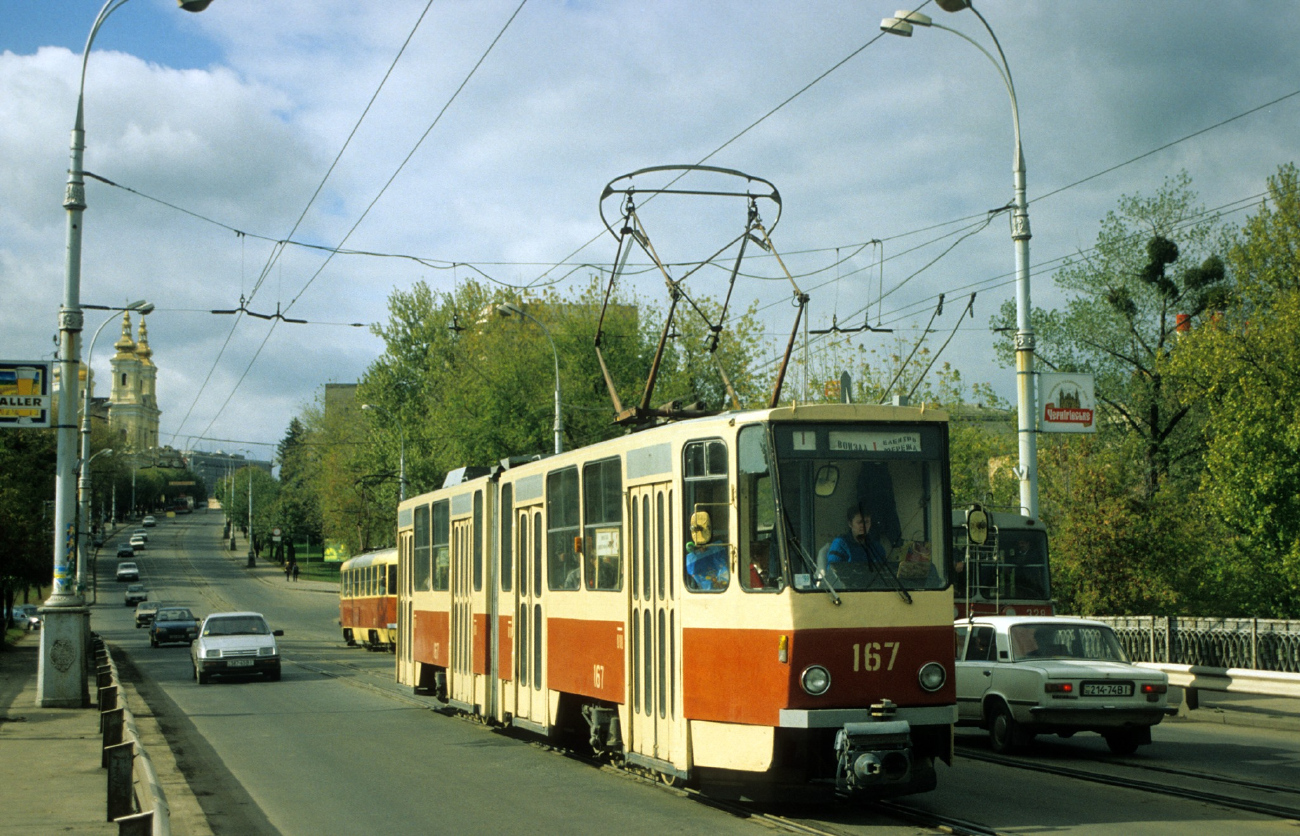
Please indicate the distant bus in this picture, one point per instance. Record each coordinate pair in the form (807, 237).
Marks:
(1009, 574)
(368, 600)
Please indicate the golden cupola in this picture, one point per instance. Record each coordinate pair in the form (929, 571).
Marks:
(142, 350)
(125, 345)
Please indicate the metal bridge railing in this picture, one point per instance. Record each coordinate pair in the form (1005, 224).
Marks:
(1259, 644)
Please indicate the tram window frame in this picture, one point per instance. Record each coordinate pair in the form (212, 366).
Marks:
(602, 505)
(506, 556)
(706, 474)
(563, 527)
(422, 557)
(441, 534)
(478, 541)
(756, 513)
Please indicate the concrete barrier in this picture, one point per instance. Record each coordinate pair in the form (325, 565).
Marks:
(135, 800)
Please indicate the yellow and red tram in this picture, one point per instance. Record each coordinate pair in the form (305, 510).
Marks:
(682, 598)
(368, 600)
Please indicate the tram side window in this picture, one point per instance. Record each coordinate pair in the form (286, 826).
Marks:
(423, 557)
(602, 546)
(441, 546)
(562, 529)
(478, 541)
(507, 535)
(706, 492)
(760, 554)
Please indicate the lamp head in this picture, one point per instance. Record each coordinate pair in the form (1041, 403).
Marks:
(367, 406)
(193, 5)
(952, 5)
(509, 309)
(894, 26)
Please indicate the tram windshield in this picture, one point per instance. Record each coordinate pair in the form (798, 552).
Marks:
(1012, 566)
(861, 507)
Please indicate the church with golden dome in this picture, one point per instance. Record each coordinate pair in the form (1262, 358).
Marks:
(133, 414)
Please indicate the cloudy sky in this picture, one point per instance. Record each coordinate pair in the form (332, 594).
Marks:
(487, 143)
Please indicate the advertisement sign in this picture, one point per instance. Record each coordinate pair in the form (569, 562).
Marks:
(336, 551)
(1069, 403)
(25, 399)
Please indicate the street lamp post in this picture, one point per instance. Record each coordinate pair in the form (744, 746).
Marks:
(83, 486)
(901, 24)
(401, 449)
(61, 674)
(252, 558)
(509, 309)
(83, 560)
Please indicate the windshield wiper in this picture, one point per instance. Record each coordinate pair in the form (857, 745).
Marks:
(818, 577)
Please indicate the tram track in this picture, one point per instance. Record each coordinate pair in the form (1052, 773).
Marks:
(1194, 793)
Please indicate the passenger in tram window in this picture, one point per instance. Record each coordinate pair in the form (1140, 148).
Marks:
(859, 544)
(707, 565)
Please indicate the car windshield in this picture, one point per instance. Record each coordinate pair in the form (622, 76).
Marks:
(1090, 642)
(174, 615)
(241, 626)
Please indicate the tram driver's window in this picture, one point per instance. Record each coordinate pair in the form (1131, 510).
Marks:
(602, 507)
(760, 562)
(707, 494)
(563, 529)
(441, 546)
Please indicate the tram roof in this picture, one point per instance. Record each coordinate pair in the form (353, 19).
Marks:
(829, 412)
(373, 558)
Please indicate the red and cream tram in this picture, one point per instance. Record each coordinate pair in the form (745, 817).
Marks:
(678, 597)
(368, 600)
(1008, 573)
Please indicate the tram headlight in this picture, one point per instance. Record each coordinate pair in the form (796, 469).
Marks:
(816, 680)
(932, 676)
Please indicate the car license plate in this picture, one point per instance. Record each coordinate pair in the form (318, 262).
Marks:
(1108, 689)
(239, 663)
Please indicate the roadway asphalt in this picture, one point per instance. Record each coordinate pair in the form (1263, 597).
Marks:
(51, 780)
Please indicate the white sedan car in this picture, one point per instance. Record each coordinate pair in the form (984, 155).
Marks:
(235, 644)
(1019, 676)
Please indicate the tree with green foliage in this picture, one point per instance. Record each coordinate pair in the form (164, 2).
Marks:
(1244, 361)
(297, 505)
(26, 527)
(1156, 259)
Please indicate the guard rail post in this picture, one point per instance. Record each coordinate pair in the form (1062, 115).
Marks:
(121, 764)
(112, 722)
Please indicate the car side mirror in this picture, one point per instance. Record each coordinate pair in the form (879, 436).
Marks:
(277, 632)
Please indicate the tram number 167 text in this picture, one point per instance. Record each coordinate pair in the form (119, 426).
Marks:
(873, 656)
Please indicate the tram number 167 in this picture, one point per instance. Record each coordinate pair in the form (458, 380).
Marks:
(873, 656)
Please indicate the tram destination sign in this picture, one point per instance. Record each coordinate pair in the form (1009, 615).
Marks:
(25, 401)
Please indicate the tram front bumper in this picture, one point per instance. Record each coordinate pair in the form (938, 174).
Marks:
(889, 754)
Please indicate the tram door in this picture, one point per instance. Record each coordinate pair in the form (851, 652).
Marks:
(405, 653)
(531, 702)
(461, 686)
(655, 680)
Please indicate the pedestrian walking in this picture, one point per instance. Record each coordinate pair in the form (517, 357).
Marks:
(287, 568)
(295, 571)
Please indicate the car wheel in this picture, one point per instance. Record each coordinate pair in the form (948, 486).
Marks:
(153, 642)
(1005, 734)
(274, 675)
(1123, 742)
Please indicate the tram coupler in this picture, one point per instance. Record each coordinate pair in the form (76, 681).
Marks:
(606, 735)
(873, 755)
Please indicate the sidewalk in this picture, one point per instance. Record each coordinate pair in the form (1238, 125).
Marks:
(49, 757)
